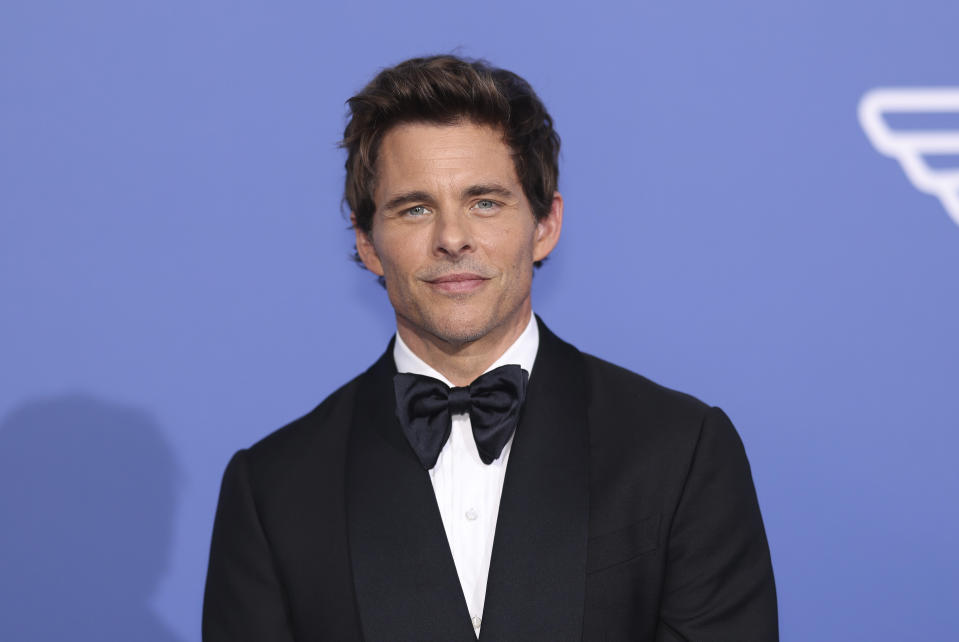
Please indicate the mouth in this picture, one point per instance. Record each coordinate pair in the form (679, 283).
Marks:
(459, 283)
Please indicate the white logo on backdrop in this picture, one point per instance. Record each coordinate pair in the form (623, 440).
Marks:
(911, 146)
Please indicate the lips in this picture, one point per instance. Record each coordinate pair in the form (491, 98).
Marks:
(461, 282)
(453, 278)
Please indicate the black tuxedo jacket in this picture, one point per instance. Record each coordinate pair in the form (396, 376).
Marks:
(628, 513)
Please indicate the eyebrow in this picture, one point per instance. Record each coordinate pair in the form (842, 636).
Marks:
(484, 189)
(407, 197)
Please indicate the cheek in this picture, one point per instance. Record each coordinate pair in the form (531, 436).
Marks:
(523, 257)
(396, 253)
(513, 244)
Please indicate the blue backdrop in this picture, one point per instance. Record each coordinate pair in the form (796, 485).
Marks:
(175, 282)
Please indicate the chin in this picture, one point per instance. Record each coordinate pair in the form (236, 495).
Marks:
(460, 330)
(460, 335)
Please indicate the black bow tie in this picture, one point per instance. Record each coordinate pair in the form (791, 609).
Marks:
(425, 406)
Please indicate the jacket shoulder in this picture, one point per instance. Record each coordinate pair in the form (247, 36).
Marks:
(618, 389)
(322, 430)
(642, 421)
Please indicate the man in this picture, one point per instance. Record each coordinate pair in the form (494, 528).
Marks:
(483, 478)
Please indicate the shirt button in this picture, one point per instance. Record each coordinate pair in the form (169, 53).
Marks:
(471, 515)
(477, 620)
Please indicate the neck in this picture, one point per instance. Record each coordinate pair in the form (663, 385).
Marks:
(462, 363)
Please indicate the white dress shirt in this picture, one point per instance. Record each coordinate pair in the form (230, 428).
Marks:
(467, 490)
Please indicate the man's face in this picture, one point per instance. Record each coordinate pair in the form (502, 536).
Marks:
(453, 234)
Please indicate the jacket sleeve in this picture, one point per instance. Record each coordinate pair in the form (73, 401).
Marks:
(244, 600)
(719, 580)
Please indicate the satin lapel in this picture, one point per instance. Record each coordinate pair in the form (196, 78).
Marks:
(536, 587)
(403, 572)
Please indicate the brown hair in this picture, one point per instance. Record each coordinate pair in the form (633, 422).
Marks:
(445, 89)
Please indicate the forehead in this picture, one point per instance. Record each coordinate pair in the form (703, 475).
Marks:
(425, 153)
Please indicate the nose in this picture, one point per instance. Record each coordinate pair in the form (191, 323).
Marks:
(452, 236)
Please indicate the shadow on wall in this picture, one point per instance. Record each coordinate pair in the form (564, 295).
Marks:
(87, 494)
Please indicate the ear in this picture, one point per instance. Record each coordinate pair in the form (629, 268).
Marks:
(548, 229)
(365, 248)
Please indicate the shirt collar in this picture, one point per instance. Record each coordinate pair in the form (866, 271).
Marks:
(522, 353)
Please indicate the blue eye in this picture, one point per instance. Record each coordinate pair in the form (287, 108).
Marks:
(485, 204)
(419, 210)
